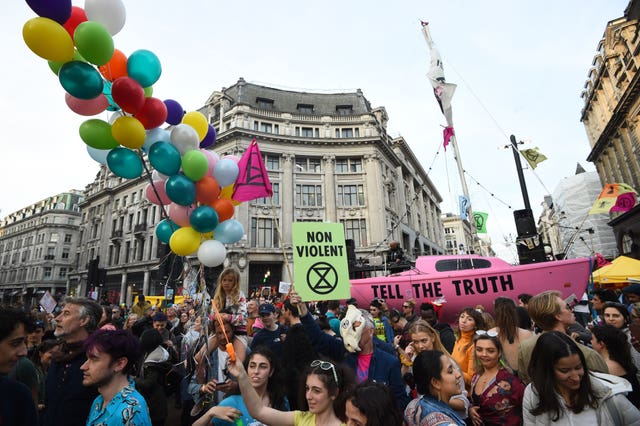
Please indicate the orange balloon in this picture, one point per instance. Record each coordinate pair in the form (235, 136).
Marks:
(116, 67)
(224, 207)
(207, 190)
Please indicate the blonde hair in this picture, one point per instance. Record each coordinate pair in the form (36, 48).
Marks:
(421, 326)
(543, 308)
(220, 297)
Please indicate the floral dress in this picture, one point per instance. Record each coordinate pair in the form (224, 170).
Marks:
(501, 402)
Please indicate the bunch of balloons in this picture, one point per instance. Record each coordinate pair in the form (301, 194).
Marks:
(194, 184)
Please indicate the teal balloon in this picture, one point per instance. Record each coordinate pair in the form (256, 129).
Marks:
(124, 163)
(204, 219)
(144, 67)
(80, 79)
(165, 229)
(106, 91)
(180, 190)
(94, 42)
(228, 232)
(195, 165)
(165, 158)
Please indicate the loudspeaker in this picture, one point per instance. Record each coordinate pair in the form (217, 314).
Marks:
(527, 255)
(351, 251)
(525, 224)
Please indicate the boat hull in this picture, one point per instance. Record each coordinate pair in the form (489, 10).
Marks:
(472, 287)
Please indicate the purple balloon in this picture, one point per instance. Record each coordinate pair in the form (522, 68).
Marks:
(57, 10)
(174, 112)
(209, 139)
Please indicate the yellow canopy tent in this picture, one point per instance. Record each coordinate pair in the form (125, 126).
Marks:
(622, 270)
(158, 300)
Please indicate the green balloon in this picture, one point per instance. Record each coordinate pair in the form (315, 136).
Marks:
(97, 134)
(195, 165)
(94, 42)
(81, 80)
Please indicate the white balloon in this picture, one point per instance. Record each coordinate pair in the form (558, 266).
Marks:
(211, 253)
(110, 13)
(156, 176)
(115, 116)
(99, 155)
(185, 138)
(226, 172)
(156, 135)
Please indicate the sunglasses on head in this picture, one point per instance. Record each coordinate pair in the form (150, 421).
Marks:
(325, 365)
(489, 333)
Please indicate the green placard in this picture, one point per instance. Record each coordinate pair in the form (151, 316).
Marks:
(320, 261)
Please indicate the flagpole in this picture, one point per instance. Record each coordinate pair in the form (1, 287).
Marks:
(284, 253)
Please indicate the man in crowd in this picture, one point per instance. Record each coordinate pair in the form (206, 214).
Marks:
(600, 297)
(400, 327)
(67, 400)
(632, 294)
(333, 307)
(271, 334)
(16, 404)
(142, 307)
(407, 310)
(172, 318)
(116, 317)
(111, 358)
(551, 313)
(429, 313)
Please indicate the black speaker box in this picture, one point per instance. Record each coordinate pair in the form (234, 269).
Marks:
(525, 224)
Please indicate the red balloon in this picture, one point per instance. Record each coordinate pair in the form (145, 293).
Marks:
(152, 114)
(128, 94)
(207, 190)
(77, 17)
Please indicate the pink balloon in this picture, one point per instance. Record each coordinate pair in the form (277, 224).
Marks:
(150, 194)
(87, 106)
(212, 158)
(235, 158)
(180, 214)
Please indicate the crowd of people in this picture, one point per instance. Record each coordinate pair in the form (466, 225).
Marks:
(281, 361)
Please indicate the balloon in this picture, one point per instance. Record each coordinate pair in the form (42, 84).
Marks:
(233, 158)
(155, 135)
(212, 157)
(204, 219)
(229, 232)
(80, 79)
(125, 163)
(110, 13)
(57, 10)
(227, 192)
(129, 132)
(198, 121)
(97, 134)
(165, 229)
(211, 253)
(226, 171)
(148, 91)
(184, 138)
(180, 214)
(99, 155)
(155, 193)
(210, 139)
(156, 175)
(165, 158)
(94, 42)
(174, 111)
(115, 116)
(128, 94)
(55, 66)
(116, 67)
(87, 106)
(48, 39)
(184, 241)
(181, 190)
(77, 17)
(207, 190)
(224, 207)
(144, 67)
(152, 114)
(194, 165)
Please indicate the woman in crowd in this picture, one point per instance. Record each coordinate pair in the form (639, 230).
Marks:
(509, 334)
(617, 315)
(323, 396)
(437, 380)
(612, 345)
(131, 320)
(372, 404)
(105, 321)
(41, 358)
(183, 325)
(264, 372)
(496, 393)
(151, 380)
(383, 329)
(563, 392)
(469, 321)
(229, 298)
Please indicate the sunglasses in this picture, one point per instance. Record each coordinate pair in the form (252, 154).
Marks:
(325, 365)
(405, 306)
(490, 333)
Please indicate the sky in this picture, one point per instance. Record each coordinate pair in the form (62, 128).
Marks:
(520, 68)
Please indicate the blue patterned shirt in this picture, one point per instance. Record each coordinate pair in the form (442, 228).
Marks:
(127, 407)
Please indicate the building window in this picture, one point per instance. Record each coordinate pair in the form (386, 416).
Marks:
(263, 233)
(53, 238)
(307, 132)
(124, 201)
(67, 238)
(65, 253)
(275, 186)
(272, 163)
(264, 103)
(347, 133)
(348, 165)
(308, 164)
(308, 195)
(355, 229)
(344, 109)
(62, 273)
(305, 109)
(127, 251)
(266, 127)
(350, 195)
(47, 273)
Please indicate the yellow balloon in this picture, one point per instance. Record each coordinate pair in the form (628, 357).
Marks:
(226, 192)
(208, 235)
(129, 132)
(184, 241)
(198, 121)
(48, 39)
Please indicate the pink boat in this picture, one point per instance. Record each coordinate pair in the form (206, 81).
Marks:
(470, 280)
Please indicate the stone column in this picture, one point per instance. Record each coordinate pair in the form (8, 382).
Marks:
(374, 197)
(123, 287)
(287, 193)
(330, 188)
(145, 283)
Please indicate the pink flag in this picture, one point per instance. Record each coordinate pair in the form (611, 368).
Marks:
(624, 202)
(253, 180)
(447, 134)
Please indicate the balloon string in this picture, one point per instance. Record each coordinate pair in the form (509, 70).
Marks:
(163, 212)
(219, 318)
